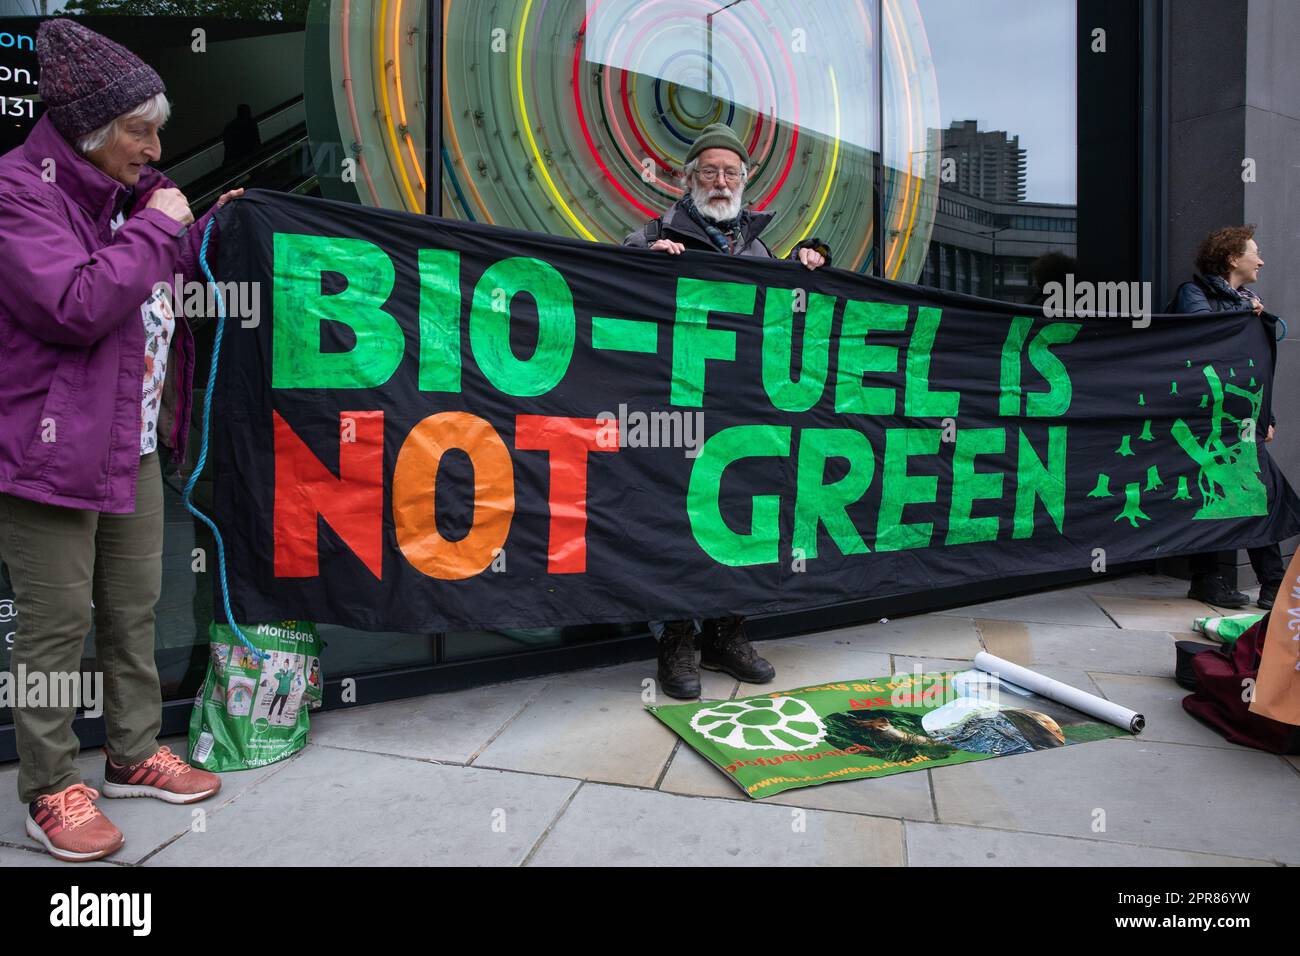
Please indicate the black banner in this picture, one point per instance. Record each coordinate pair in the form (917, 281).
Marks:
(422, 424)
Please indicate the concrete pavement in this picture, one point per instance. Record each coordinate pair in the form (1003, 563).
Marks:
(570, 770)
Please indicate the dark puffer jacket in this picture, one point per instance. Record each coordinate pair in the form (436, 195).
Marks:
(1213, 294)
(676, 224)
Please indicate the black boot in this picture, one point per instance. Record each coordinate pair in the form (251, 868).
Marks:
(678, 675)
(1267, 595)
(724, 647)
(1214, 589)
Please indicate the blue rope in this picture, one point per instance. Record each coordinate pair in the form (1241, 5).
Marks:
(1282, 322)
(203, 446)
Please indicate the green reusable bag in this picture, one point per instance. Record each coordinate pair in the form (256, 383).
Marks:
(251, 713)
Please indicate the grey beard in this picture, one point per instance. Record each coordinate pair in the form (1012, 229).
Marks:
(701, 197)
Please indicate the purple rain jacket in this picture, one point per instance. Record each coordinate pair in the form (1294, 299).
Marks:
(71, 337)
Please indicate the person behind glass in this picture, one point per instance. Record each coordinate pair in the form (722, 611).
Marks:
(98, 377)
(710, 217)
(1226, 262)
(241, 137)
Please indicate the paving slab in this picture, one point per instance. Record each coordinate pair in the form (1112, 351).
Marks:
(1050, 607)
(925, 634)
(614, 826)
(799, 665)
(146, 824)
(448, 727)
(346, 808)
(633, 675)
(931, 844)
(1251, 608)
(1160, 701)
(1173, 614)
(901, 795)
(1153, 794)
(1157, 586)
(1115, 651)
(592, 733)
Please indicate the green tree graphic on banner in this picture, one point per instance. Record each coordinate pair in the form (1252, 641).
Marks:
(1229, 473)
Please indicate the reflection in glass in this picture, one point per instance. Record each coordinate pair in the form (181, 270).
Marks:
(367, 72)
(1004, 197)
(574, 117)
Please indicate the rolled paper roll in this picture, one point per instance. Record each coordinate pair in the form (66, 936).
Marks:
(1080, 700)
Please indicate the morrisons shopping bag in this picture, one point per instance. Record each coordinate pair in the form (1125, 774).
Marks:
(253, 712)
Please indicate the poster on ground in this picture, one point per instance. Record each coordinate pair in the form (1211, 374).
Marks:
(848, 730)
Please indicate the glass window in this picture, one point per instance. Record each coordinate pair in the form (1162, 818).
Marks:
(1000, 145)
(574, 117)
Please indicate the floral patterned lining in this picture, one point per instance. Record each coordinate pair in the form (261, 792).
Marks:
(159, 327)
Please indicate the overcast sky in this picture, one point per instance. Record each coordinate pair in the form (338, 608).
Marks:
(1011, 65)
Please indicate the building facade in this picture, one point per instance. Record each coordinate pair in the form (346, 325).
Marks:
(982, 148)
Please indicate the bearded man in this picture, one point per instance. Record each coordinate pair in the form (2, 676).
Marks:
(711, 217)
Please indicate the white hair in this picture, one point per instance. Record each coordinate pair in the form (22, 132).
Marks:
(156, 109)
(689, 170)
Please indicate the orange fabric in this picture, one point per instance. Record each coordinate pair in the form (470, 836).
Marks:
(1277, 688)
(415, 477)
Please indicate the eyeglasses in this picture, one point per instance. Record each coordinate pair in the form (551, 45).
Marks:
(708, 174)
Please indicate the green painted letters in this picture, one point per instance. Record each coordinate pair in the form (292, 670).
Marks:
(816, 502)
(898, 488)
(969, 485)
(489, 326)
(778, 350)
(1036, 482)
(300, 308)
(856, 357)
(694, 342)
(918, 400)
(439, 320)
(761, 545)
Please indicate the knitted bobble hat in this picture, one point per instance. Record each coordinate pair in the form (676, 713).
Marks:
(87, 80)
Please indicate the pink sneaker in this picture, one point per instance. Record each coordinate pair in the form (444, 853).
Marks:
(70, 826)
(163, 776)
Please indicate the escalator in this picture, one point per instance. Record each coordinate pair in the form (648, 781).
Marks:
(283, 162)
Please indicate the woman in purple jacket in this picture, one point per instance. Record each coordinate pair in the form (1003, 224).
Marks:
(95, 375)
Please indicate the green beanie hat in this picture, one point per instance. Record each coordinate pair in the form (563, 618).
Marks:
(719, 136)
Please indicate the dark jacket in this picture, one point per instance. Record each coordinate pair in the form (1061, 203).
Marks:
(1212, 294)
(676, 224)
